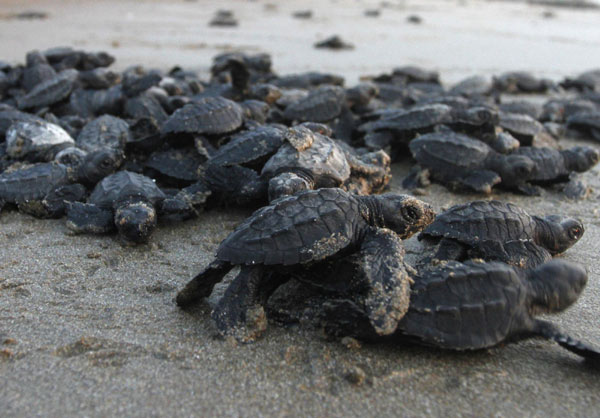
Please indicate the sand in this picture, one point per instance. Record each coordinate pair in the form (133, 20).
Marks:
(88, 326)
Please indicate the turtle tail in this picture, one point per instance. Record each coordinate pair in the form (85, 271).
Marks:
(581, 348)
(201, 285)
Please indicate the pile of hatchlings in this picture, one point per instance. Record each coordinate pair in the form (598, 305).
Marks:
(120, 151)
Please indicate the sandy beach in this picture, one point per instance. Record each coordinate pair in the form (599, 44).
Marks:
(88, 327)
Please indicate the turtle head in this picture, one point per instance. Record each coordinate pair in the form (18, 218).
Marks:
(581, 159)
(288, 184)
(556, 285)
(403, 214)
(516, 169)
(98, 164)
(136, 221)
(482, 115)
(255, 110)
(559, 233)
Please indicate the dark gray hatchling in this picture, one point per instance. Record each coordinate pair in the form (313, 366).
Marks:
(311, 226)
(323, 104)
(105, 131)
(460, 306)
(207, 116)
(41, 189)
(554, 166)
(126, 201)
(457, 160)
(487, 228)
(50, 91)
(587, 123)
(527, 130)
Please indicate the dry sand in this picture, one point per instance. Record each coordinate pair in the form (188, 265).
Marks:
(88, 327)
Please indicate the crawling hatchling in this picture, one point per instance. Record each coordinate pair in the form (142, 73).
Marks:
(501, 231)
(293, 231)
(458, 306)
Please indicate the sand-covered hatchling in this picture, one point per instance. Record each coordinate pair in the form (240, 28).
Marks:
(311, 226)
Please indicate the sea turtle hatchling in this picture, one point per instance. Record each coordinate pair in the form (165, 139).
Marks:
(41, 189)
(458, 160)
(459, 306)
(554, 166)
(125, 200)
(207, 116)
(491, 224)
(308, 227)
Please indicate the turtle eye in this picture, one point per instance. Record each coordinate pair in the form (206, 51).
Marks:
(575, 233)
(105, 163)
(411, 213)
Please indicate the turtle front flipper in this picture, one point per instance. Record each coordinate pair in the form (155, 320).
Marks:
(529, 189)
(89, 218)
(552, 332)
(480, 181)
(345, 318)
(55, 203)
(240, 312)
(235, 184)
(380, 266)
(202, 284)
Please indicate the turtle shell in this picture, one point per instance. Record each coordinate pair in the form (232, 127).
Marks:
(36, 141)
(49, 91)
(415, 119)
(122, 186)
(145, 106)
(324, 158)
(550, 164)
(208, 115)
(32, 182)
(104, 132)
(482, 220)
(466, 306)
(10, 116)
(179, 165)
(249, 147)
(521, 126)
(309, 226)
(449, 154)
(321, 105)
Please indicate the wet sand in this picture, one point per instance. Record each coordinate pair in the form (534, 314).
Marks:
(88, 326)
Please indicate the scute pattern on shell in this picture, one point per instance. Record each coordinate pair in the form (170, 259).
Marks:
(297, 229)
(465, 306)
(483, 220)
(208, 115)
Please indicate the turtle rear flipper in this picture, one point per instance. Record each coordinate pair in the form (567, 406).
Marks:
(381, 267)
(552, 332)
(240, 312)
(417, 177)
(202, 284)
(481, 181)
(89, 218)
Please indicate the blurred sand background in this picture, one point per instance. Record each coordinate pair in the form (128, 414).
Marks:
(88, 327)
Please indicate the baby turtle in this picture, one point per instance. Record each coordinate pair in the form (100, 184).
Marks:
(208, 116)
(587, 122)
(334, 42)
(106, 131)
(554, 166)
(527, 130)
(311, 226)
(40, 189)
(458, 160)
(321, 105)
(521, 82)
(470, 225)
(126, 200)
(472, 306)
(36, 141)
(50, 91)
